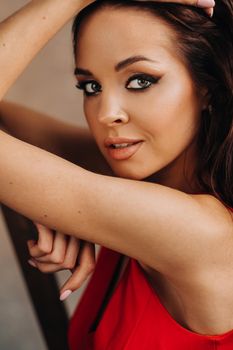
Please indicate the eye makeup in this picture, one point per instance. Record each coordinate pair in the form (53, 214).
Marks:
(144, 80)
(93, 84)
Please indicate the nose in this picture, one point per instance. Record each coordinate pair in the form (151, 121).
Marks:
(112, 114)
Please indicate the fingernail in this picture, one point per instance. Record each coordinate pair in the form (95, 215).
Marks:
(31, 263)
(37, 225)
(205, 3)
(210, 12)
(31, 242)
(65, 294)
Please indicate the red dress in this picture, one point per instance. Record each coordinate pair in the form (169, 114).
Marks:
(133, 317)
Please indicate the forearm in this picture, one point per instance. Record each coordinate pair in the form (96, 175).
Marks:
(47, 189)
(132, 217)
(67, 140)
(33, 181)
(37, 128)
(24, 33)
(52, 191)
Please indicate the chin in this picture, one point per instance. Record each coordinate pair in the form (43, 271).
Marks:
(132, 174)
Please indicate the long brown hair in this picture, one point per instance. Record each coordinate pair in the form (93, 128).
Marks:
(206, 45)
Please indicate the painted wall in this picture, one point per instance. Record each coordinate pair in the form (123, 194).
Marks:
(49, 86)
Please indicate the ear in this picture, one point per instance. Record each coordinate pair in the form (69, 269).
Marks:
(205, 98)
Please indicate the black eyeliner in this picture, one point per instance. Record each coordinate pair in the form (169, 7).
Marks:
(143, 76)
(81, 86)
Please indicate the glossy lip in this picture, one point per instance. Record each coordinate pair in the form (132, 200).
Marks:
(124, 153)
(118, 140)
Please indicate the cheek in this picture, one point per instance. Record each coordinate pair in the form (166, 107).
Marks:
(170, 122)
(89, 112)
(169, 107)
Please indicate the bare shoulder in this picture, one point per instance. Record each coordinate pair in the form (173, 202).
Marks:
(217, 222)
(214, 255)
(215, 210)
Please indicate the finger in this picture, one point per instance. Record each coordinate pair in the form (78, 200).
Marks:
(72, 251)
(45, 239)
(88, 254)
(69, 262)
(205, 3)
(33, 248)
(44, 244)
(209, 11)
(81, 273)
(57, 255)
(197, 3)
(31, 243)
(45, 267)
(32, 263)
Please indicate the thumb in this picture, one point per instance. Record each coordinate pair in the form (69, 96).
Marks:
(197, 3)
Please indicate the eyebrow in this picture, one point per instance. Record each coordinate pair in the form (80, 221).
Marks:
(121, 65)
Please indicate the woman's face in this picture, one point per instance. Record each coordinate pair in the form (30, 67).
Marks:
(138, 88)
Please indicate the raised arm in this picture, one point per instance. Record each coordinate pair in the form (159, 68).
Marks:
(27, 31)
(162, 227)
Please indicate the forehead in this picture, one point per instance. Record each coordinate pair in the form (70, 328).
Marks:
(113, 34)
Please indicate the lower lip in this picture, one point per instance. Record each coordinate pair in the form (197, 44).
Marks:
(124, 153)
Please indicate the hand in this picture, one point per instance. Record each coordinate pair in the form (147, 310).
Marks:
(207, 5)
(56, 251)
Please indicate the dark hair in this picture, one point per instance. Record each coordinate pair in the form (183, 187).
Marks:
(206, 45)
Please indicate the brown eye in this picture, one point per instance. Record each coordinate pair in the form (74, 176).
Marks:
(90, 88)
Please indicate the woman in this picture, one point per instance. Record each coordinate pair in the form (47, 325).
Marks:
(176, 238)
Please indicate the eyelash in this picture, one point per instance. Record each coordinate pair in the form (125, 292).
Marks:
(148, 78)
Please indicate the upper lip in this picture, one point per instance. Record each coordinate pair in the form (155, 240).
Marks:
(118, 140)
